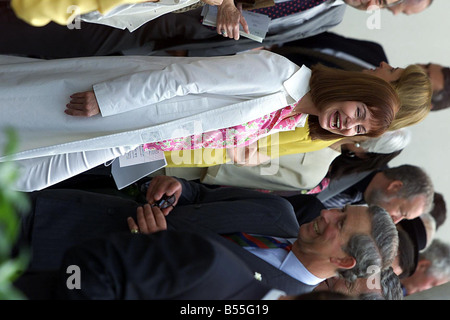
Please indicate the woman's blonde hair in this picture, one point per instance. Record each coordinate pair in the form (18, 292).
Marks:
(329, 85)
(415, 92)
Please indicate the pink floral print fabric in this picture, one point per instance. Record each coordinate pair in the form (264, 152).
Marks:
(236, 136)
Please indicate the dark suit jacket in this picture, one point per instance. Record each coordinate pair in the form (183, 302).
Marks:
(172, 31)
(167, 265)
(215, 45)
(368, 51)
(63, 218)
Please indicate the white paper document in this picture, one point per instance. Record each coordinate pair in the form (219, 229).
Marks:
(258, 24)
(139, 155)
(135, 165)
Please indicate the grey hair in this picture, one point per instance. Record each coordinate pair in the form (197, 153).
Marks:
(377, 249)
(364, 249)
(391, 288)
(385, 234)
(391, 285)
(416, 182)
(438, 253)
(388, 142)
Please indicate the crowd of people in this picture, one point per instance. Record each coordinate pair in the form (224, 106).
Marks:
(277, 183)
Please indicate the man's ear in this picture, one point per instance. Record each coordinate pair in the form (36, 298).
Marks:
(423, 265)
(346, 262)
(394, 187)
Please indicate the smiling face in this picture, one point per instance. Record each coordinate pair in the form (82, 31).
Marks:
(330, 232)
(347, 118)
(385, 72)
(347, 103)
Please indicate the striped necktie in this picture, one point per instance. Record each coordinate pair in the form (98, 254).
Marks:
(342, 199)
(256, 241)
(286, 8)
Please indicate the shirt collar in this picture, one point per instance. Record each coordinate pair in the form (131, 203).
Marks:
(298, 85)
(293, 267)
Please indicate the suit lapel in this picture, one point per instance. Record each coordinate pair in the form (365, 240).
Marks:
(270, 275)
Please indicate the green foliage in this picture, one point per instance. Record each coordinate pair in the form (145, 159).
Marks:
(11, 202)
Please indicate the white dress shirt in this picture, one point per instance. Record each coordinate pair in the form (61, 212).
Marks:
(273, 294)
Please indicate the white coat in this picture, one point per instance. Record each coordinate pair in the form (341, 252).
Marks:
(141, 99)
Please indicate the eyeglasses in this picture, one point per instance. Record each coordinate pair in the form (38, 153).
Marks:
(390, 3)
(165, 202)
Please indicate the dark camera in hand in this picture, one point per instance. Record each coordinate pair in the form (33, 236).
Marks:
(165, 202)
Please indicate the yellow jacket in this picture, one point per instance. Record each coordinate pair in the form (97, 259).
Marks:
(40, 12)
(276, 145)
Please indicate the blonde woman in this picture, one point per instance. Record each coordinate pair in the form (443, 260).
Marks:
(414, 90)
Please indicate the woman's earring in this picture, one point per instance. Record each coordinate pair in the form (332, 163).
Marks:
(357, 145)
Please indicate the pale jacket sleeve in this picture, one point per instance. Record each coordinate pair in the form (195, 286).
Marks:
(42, 172)
(253, 74)
(41, 12)
(290, 172)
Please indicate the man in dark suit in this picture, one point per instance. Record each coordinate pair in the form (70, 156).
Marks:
(171, 32)
(213, 213)
(132, 265)
(334, 50)
(405, 191)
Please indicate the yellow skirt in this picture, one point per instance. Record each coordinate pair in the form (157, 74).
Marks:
(274, 146)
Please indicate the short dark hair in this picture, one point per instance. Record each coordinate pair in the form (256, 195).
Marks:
(441, 99)
(406, 254)
(439, 211)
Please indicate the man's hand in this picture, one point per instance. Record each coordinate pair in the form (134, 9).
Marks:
(149, 220)
(83, 104)
(228, 19)
(213, 2)
(163, 185)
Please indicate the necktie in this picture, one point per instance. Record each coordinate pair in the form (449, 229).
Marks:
(265, 242)
(342, 199)
(288, 7)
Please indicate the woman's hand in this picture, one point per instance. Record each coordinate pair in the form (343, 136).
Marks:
(83, 104)
(228, 19)
(247, 156)
(149, 220)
